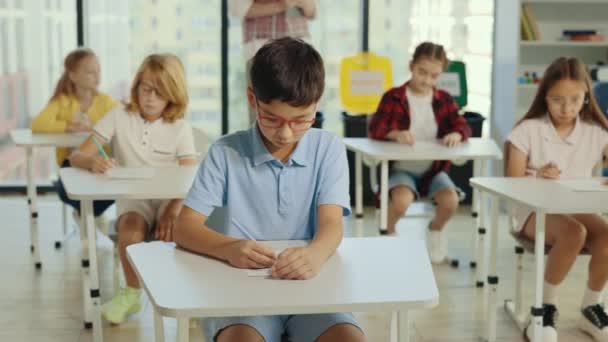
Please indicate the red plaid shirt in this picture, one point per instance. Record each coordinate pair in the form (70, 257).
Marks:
(275, 26)
(394, 114)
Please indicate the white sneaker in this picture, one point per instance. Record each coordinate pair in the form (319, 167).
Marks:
(549, 331)
(437, 245)
(594, 321)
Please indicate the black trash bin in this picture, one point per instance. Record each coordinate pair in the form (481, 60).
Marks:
(355, 126)
(461, 174)
(319, 118)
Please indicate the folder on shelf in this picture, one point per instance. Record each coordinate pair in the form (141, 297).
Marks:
(532, 23)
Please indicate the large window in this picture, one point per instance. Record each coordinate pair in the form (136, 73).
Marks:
(123, 33)
(34, 37)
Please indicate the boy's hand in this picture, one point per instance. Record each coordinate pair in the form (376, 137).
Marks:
(101, 164)
(164, 227)
(297, 263)
(550, 171)
(250, 254)
(452, 139)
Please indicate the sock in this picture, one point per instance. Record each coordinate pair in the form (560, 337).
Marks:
(591, 297)
(549, 293)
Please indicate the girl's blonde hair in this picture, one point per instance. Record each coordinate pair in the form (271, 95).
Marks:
(566, 68)
(65, 86)
(166, 72)
(432, 51)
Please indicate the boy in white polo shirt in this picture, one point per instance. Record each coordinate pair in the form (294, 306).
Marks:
(150, 131)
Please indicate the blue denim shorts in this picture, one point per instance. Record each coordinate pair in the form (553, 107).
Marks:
(411, 180)
(297, 328)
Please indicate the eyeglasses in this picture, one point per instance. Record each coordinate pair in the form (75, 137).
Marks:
(147, 90)
(558, 101)
(277, 122)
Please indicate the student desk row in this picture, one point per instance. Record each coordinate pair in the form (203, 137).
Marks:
(480, 150)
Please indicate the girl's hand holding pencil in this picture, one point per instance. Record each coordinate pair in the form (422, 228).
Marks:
(101, 163)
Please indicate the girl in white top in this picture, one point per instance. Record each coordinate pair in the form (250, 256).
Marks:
(150, 131)
(564, 135)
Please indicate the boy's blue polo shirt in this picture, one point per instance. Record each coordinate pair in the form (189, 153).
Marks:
(266, 199)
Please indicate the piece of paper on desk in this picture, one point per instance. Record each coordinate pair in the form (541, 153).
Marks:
(585, 185)
(130, 172)
(265, 272)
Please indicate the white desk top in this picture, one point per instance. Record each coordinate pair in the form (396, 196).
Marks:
(543, 194)
(365, 274)
(169, 182)
(25, 138)
(474, 148)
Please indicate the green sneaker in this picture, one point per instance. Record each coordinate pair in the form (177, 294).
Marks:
(125, 303)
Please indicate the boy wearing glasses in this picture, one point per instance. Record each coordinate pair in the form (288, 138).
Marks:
(279, 180)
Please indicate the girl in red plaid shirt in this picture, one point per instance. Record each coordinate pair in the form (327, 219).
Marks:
(418, 112)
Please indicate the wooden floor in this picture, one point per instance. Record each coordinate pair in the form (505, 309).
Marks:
(47, 306)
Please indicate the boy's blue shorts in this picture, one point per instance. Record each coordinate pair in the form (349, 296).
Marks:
(298, 328)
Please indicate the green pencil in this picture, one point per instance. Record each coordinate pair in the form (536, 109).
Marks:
(100, 148)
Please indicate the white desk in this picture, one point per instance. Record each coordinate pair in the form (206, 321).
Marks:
(477, 149)
(170, 182)
(25, 138)
(543, 197)
(357, 278)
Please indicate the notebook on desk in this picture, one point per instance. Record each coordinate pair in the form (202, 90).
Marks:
(130, 173)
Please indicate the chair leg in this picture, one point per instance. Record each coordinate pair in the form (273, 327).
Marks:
(116, 269)
(519, 280)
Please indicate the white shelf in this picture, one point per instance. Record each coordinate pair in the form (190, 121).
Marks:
(530, 86)
(558, 43)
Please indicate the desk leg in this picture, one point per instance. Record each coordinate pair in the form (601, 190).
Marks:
(358, 186)
(183, 329)
(383, 197)
(474, 211)
(480, 250)
(32, 202)
(159, 327)
(85, 274)
(403, 331)
(493, 277)
(539, 256)
(86, 210)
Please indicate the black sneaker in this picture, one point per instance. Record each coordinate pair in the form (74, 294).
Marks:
(549, 319)
(594, 321)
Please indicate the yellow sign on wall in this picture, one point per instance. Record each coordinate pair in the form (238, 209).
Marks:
(363, 79)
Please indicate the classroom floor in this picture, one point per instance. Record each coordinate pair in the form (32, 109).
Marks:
(47, 306)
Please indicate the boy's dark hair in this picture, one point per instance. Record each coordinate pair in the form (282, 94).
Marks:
(288, 70)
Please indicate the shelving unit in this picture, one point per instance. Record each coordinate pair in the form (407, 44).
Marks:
(552, 17)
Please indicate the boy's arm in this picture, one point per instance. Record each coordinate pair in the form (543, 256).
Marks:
(166, 224)
(87, 156)
(329, 231)
(192, 234)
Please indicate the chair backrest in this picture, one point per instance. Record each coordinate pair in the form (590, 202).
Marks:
(600, 90)
(364, 77)
(201, 142)
(454, 81)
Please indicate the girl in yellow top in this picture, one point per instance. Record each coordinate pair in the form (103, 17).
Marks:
(74, 107)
